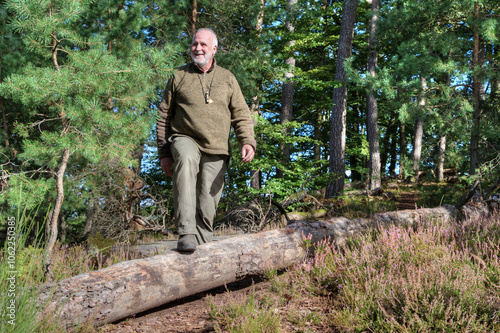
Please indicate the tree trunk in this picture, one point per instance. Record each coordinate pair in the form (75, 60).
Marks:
(417, 146)
(371, 104)
(131, 287)
(385, 149)
(393, 155)
(317, 136)
(476, 97)
(287, 92)
(139, 156)
(441, 158)
(255, 179)
(90, 216)
(63, 227)
(495, 86)
(255, 174)
(390, 148)
(355, 160)
(52, 236)
(419, 132)
(402, 150)
(338, 119)
(53, 220)
(322, 114)
(194, 16)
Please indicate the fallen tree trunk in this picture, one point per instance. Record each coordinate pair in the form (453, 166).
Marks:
(131, 287)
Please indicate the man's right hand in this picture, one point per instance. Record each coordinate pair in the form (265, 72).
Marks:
(166, 164)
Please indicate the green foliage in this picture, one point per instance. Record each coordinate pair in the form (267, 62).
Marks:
(86, 90)
(436, 195)
(301, 172)
(32, 190)
(99, 99)
(100, 243)
(439, 53)
(270, 273)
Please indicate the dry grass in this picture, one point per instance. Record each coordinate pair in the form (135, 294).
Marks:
(73, 260)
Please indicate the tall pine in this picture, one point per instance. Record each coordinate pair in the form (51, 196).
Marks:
(85, 93)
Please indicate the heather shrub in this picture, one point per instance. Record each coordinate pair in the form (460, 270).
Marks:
(431, 277)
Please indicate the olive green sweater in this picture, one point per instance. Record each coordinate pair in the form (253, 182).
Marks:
(184, 111)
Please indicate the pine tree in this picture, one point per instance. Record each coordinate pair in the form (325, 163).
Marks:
(87, 99)
(436, 45)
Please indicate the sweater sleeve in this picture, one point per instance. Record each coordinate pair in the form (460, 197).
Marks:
(163, 128)
(240, 117)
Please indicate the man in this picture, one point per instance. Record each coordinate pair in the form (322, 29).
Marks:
(200, 104)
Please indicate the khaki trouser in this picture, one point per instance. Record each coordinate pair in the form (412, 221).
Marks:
(198, 182)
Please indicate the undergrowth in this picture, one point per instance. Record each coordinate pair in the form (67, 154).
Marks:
(72, 260)
(21, 275)
(429, 277)
(248, 314)
(19, 312)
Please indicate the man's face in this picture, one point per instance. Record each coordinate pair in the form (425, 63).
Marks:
(202, 48)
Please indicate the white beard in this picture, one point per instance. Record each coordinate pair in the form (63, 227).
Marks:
(201, 61)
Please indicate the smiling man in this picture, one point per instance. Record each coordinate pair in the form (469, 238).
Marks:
(200, 105)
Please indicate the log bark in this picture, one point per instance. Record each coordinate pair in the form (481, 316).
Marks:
(131, 287)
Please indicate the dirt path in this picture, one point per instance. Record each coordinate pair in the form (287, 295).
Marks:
(406, 200)
(189, 315)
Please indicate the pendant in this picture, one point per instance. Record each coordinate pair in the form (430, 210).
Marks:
(208, 100)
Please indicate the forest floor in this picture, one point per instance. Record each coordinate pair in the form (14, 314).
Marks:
(191, 314)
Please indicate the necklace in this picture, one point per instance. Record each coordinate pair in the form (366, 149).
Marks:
(208, 100)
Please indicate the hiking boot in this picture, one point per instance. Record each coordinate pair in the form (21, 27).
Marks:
(187, 243)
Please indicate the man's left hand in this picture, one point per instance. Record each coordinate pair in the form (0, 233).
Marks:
(247, 153)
